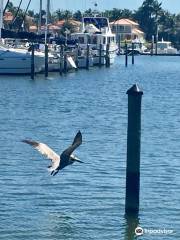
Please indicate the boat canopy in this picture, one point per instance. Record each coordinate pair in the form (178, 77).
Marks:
(98, 22)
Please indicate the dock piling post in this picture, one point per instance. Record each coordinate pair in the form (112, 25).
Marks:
(46, 60)
(61, 59)
(156, 44)
(87, 56)
(126, 55)
(100, 54)
(65, 59)
(132, 53)
(119, 44)
(76, 56)
(65, 62)
(32, 62)
(152, 46)
(133, 150)
(107, 56)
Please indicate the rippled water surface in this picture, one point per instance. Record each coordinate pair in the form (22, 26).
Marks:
(86, 201)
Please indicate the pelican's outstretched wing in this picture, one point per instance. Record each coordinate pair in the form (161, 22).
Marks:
(77, 141)
(46, 151)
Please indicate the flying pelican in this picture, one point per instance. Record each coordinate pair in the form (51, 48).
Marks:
(58, 162)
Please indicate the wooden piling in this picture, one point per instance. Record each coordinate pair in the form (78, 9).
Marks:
(133, 150)
(61, 59)
(152, 46)
(119, 44)
(107, 58)
(87, 56)
(100, 55)
(46, 60)
(126, 54)
(156, 45)
(76, 56)
(32, 62)
(65, 62)
(132, 53)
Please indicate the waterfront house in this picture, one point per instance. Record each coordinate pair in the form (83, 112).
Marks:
(126, 29)
(53, 29)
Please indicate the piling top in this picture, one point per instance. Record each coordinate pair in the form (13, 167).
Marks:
(134, 90)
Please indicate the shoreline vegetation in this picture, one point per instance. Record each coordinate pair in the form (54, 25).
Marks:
(152, 18)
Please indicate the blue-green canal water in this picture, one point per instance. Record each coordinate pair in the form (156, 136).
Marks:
(86, 201)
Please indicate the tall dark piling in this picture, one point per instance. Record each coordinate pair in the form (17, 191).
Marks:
(61, 56)
(156, 50)
(100, 55)
(126, 54)
(119, 44)
(107, 58)
(152, 46)
(132, 53)
(77, 56)
(32, 62)
(65, 63)
(133, 150)
(87, 56)
(46, 60)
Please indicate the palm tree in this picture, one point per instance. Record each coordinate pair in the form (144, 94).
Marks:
(147, 16)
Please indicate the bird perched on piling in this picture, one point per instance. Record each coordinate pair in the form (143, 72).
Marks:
(58, 162)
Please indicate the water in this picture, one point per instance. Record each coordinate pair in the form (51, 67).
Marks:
(86, 201)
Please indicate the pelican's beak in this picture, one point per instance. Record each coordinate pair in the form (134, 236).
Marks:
(77, 159)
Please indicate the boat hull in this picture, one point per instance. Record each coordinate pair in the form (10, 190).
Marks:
(15, 62)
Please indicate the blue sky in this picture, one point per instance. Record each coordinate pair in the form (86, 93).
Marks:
(172, 5)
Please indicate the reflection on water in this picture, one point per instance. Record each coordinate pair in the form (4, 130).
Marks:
(131, 223)
(60, 226)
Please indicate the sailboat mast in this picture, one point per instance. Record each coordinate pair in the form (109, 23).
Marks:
(47, 19)
(1, 17)
(40, 17)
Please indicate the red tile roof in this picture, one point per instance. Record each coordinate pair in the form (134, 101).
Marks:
(71, 21)
(8, 16)
(124, 21)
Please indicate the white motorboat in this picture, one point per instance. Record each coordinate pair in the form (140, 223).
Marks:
(165, 47)
(95, 31)
(18, 61)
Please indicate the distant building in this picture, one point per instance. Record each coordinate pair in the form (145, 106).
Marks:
(76, 24)
(126, 29)
(8, 17)
(53, 29)
(56, 27)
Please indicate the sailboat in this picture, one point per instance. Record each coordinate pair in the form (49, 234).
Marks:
(17, 61)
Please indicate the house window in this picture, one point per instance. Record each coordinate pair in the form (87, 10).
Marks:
(81, 40)
(94, 40)
(120, 28)
(88, 39)
(114, 28)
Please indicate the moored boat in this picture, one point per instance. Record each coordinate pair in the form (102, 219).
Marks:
(96, 31)
(16, 61)
(165, 47)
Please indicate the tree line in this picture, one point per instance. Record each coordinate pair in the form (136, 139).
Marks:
(152, 18)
